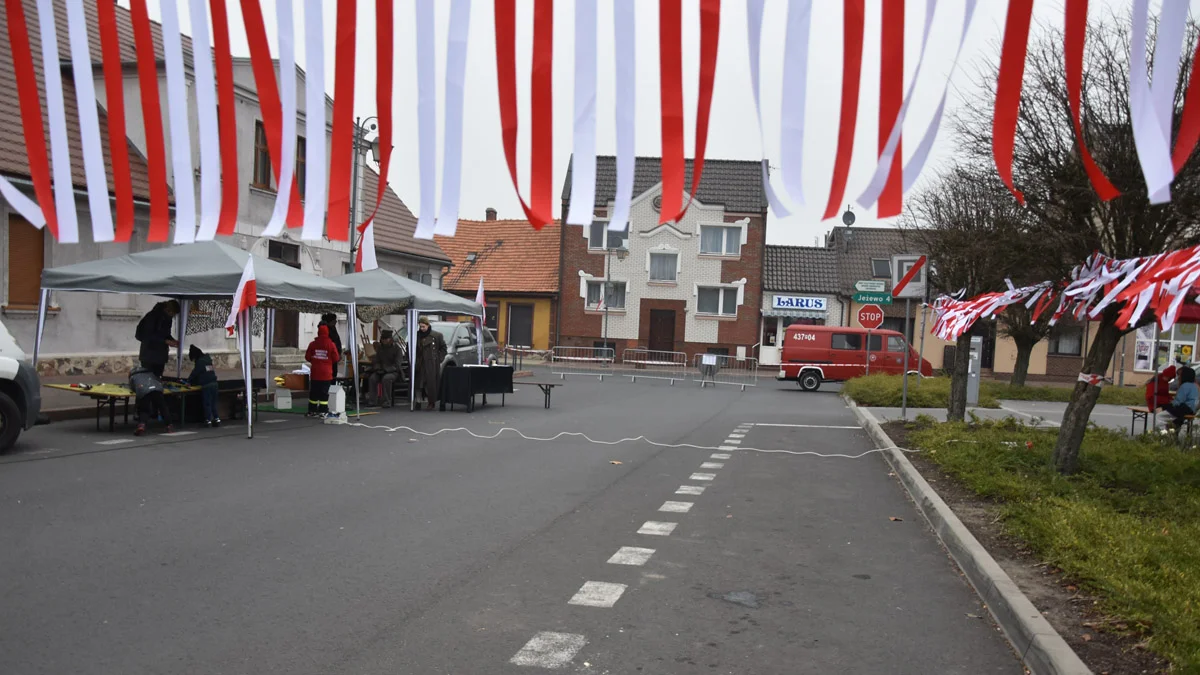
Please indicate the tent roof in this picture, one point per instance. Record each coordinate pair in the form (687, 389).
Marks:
(199, 270)
(379, 287)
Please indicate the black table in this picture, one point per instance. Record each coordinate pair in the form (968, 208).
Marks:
(460, 384)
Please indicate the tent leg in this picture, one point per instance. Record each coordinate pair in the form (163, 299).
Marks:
(41, 325)
(244, 345)
(352, 323)
(182, 322)
(268, 339)
(411, 327)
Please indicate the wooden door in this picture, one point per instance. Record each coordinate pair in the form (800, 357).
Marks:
(520, 325)
(662, 330)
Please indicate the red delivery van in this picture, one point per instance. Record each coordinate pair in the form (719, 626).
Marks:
(816, 354)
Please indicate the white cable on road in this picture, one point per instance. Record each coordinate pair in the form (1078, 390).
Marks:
(634, 439)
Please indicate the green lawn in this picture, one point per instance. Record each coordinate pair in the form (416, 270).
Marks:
(934, 392)
(1127, 527)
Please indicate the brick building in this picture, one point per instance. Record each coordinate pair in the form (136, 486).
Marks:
(694, 286)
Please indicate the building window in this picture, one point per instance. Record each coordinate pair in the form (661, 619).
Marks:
(492, 315)
(614, 298)
(663, 266)
(715, 240)
(261, 178)
(347, 267)
(600, 237)
(846, 341)
(1066, 341)
(717, 301)
(288, 254)
(881, 268)
(1177, 345)
(26, 259)
(301, 164)
(604, 350)
(427, 279)
(897, 324)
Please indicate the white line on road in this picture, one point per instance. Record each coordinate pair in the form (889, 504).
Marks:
(631, 555)
(728, 447)
(690, 490)
(657, 528)
(115, 441)
(273, 421)
(737, 435)
(178, 433)
(712, 465)
(702, 476)
(676, 507)
(720, 455)
(597, 594)
(806, 426)
(733, 441)
(549, 650)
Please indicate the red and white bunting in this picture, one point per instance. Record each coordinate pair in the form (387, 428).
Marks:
(245, 297)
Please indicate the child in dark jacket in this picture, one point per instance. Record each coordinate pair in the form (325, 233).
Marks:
(322, 354)
(204, 376)
(151, 403)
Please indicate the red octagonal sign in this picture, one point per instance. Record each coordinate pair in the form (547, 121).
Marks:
(870, 317)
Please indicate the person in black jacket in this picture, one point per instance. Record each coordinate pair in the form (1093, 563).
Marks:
(330, 320)
(154, 332)
(151, 403)
(204, 376)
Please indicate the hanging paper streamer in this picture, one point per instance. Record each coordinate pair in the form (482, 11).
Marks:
(456, 74)
(852, 42)
(1073, 44)
(426, 120)
(181, 142)
(1008, 90)
(314, 122)
(31, 127)
(625, 40)
(1152, 106)
(342, 158)
(64, 189)
(286, 26)
(891, 92)
(384, 38)
(795, 98)
(1189, 123)
(754, 18)
(206, 113)
(156, 153)
(89, 124)
(583, 163)
(118, 144)
(227, 120)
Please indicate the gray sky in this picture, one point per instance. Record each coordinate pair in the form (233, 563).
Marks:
(733, 132)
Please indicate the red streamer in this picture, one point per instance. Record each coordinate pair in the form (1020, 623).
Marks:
(384, 26)
(506, 81)
(852, 43)
(31, 112)
(670, 59)
(1073, 38)
(118, 145)
(341, 151)
(1008, 90)
(1189, 123)
(156, 152)
(226, 118)
(268, 100)
(891, 97)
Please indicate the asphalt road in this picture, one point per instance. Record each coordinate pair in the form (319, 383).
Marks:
(321, 549)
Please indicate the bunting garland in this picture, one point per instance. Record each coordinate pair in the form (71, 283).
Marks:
(118, 145)
(583, 156)
(41, 214)
(209, 127)
(625, 40)
(384, 30)
(156, 152)
(1073, 44)
(315, 183)
(181, 142)
(226, 118)
(64, 191)
(799, 12)
(852, 44)
(89, 124)
(286, 28)
(341, 153)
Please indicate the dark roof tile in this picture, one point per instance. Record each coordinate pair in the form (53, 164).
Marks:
(800, 268)
(734, 184)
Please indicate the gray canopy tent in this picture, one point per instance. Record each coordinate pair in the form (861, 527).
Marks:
(378, 293)
(203, 271)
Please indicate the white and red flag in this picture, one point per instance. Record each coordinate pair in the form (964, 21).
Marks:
(245, 297)
(479, 298)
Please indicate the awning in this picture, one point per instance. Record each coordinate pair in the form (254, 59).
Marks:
(796, 313)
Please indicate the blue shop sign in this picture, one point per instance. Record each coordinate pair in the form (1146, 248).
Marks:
(798, 302)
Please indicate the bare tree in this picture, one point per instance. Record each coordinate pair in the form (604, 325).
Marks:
(1065, 214)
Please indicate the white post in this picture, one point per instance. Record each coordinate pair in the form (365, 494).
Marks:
(41, 325)
(352, 324)
(411, 327)
(247, 366)
(181, 322)
(268, 338)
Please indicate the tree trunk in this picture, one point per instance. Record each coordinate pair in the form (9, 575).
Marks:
(1083, 399)
(956, 408)
(1021, 368)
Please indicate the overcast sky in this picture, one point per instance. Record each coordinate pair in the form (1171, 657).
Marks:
(733, 133)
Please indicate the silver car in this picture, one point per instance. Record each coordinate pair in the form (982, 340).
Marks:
(462, 343)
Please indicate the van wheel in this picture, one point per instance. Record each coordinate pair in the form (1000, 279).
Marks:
(810, 380)
(10, 422)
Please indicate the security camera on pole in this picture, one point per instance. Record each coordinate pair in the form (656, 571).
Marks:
(908, 282)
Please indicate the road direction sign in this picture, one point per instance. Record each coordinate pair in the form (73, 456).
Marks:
(908, 276)
(870, 286)
(882, 298)
(870, 317)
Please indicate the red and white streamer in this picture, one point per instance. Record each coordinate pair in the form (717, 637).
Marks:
(64, 187)
(118, 143)
(206, 114)
(625, 40)
(181, 140)
(384, 45)
(31, 126)
(1153, 105)
(1008, 90)
(286, 27)
(852, 44)
(89, 124)
(1074, 32)
(583, 156)
(343, 158)
(316, 179)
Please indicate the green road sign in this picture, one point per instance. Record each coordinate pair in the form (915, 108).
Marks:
(872, 298)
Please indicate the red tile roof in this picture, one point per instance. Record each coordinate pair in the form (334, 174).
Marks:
(512, 257)
(395, 224)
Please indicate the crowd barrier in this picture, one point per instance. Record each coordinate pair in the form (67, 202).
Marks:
(589, 361)
(717, 369)
(517, 355)
(654, 364)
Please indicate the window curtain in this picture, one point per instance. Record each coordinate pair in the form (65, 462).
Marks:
(710, 239)
(708, 301)
(662, 267)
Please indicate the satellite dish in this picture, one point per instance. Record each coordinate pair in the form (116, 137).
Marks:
(848, 217)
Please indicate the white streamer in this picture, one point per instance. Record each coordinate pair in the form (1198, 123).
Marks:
(60, 155)
(583, 164)
(1151, 107)
(754, 11)
(795, 89)
(25, 206)
(177, 114)
(625, 39)
(89, 125)
(366, 244)
(452, 141)
(206, 114)
(316, 179)
(426, 120)
(286, 24)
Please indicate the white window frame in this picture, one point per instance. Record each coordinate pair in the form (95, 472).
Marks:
(664, 250)
(602, 283)
(740, 226)
(604, 244)
(721, 313)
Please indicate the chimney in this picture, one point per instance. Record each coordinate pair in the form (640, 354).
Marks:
(491, 213)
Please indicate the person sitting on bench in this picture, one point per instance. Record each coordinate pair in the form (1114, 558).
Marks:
(1158, 389)
(1187, 398)
(151, 403)
(385, 368)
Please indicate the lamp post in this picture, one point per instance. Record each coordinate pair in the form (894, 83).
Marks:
(361, 145)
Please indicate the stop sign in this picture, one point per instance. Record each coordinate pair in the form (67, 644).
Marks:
(870, 317)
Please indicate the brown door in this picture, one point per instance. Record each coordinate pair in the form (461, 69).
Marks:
(520, 325)
(287, 321)
(662, 330)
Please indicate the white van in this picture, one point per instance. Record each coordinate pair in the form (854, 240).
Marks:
(20, 391)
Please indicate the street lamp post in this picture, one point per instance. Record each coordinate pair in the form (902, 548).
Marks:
(361, 145)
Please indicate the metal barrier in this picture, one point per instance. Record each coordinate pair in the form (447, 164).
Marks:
(654, 364)
(717, 369)
(591, 361)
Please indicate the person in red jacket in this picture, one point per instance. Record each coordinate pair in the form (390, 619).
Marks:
(1158, 389)
(323, 355)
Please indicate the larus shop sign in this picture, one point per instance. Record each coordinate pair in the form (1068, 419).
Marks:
(798, 302)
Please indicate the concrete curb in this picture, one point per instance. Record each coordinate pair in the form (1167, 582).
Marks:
(1042, 649)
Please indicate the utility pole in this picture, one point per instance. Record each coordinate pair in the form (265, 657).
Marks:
(361, 145)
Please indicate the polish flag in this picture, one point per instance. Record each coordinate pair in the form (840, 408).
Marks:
(480, 299)
(479, 293)
(245, 297)
(364, 257)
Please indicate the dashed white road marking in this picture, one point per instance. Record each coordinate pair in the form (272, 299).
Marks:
(115, 441)
(737, 435)
(178, 433)
(657, 528)
(727, 447)
(273, 421)
(720, 455)
(733, 441)
(597, 594)
(712, 465)
(702, 476)
(631, 555)
(690, 490)
(549, 650)
(806, 426)
(676, 507)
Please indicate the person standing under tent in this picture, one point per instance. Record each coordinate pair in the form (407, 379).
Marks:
(151, 402)
(205, 376)
(330, 320)
(154, 332)
(323, 356)
(431, 351)
(385, 366)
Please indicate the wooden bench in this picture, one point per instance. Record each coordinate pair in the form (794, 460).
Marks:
(546, 388)
(1145, 415)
